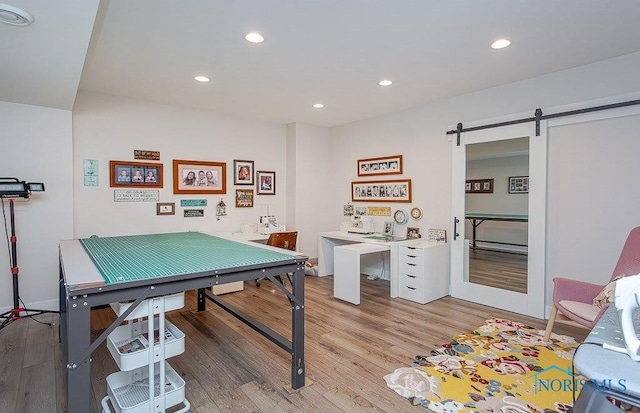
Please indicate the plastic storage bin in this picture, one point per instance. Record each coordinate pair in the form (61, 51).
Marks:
(129, 390)
(129, 335)
(171, 302)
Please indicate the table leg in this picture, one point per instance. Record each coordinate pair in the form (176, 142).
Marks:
(297, 334)
(77, 338)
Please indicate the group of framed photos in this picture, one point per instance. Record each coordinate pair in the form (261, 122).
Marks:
(517, 185)
(479, 186)
(193, 177)
(395, 190)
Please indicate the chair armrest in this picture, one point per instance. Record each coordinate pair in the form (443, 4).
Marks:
(574, 290)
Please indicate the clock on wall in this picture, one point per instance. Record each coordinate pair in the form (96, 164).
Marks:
(401, 217)
(416, 213)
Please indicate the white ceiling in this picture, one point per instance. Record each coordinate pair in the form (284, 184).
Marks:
(328, 51)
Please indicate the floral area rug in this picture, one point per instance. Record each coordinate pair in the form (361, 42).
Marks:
(503, 366)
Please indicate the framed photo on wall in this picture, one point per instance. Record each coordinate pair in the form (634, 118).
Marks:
(243, 172)
(266, 182)
(166, 208)
(518, 184)
(398, 190)
(387, 165)
(135, 174)
(199, 177)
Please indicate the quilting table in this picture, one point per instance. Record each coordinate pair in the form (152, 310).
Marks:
(99, 271)
(478, 218)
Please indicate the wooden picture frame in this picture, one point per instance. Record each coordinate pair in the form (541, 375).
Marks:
(397, 190)
(479, 186)
(135, 174)
(199, 177)
(519, 184)
(386, 165)
(165, 208)
(244, 198)
(243, 172)
(266, 183)
(413, 232)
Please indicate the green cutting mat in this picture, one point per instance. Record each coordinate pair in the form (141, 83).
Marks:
(138, 257)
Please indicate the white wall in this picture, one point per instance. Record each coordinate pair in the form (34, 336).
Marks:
(109, 128)
(35, 145)
(309, 164)
(419, 134)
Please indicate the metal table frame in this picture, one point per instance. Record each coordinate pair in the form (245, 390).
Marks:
(476, 219)
(76, 302)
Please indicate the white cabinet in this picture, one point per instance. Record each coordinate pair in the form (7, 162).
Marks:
(140, 349)
(423, 271)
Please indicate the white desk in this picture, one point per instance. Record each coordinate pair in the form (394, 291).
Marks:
(328, 240)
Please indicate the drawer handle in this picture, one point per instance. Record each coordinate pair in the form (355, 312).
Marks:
(411, 256)
(411, 248)
(408, 263)
(411, 276)
(411, 288)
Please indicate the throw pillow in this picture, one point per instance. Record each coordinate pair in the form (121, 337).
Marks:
(607, 295)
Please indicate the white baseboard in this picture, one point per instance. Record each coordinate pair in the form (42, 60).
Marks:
(49, 305)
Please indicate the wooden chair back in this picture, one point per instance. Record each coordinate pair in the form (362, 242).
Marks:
(285, 240)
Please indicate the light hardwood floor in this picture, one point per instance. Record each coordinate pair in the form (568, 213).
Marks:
(230, 368)
(498, 269)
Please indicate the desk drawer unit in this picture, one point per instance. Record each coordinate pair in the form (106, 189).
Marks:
(423, 271)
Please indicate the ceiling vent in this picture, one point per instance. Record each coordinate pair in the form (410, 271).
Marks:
(14, 16)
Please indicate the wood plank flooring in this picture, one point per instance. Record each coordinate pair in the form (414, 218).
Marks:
(228, 367)
(498, 269)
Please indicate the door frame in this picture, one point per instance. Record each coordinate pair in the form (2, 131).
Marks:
(533, 302)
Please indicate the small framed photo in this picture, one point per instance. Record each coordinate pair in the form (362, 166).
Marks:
(266, 182)
(165, 208)
(437, 235)
(387, 165)
(243, 172)
(199, 177)
(518, 184)
(135, 174)
(387, 229)
(413, 232)
(244, 198)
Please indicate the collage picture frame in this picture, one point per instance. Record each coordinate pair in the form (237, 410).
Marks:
(398, 190)
(135, 174)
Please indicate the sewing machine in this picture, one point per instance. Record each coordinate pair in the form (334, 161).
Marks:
(361, 225)
(627, 299)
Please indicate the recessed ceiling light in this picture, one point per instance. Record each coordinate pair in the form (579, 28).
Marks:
(318, 105)
(385, 82)
(500, 44)
(254, 37)
(14, 16)
(202, 79)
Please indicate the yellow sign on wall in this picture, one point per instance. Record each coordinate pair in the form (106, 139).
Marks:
(379, 211)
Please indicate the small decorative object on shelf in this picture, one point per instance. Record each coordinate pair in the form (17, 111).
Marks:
(221, 209)
(438, 235)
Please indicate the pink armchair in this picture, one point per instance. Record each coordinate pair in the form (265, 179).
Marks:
(573, 299)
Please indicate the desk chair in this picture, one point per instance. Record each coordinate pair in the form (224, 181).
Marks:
(573, 300)
(284, 240)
